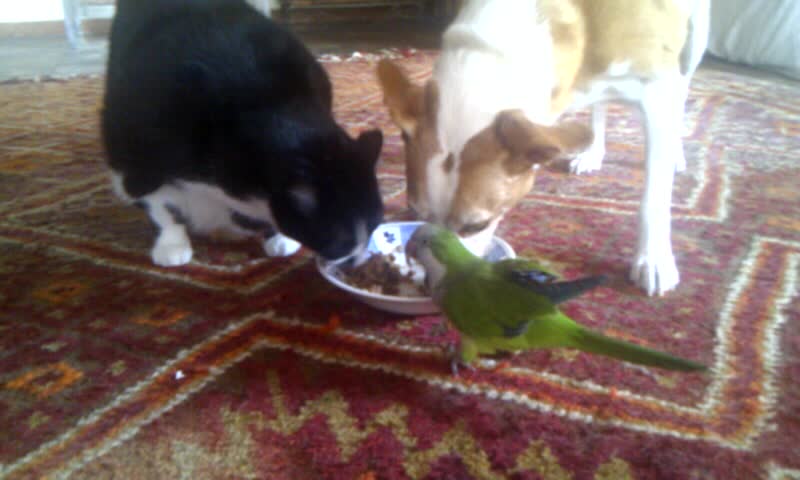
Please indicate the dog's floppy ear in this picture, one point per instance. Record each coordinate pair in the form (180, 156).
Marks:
(406, 101)
(531, 144)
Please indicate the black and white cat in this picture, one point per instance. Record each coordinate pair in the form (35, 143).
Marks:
(216, 118)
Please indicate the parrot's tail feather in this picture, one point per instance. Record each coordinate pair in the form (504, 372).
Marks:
(560, 292)
(593, 342)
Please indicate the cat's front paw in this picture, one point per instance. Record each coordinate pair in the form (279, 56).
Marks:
(172, 249)
(172, 254)
(281, 246)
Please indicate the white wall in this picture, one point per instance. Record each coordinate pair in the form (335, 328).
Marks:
(763, 33)
(30, 10)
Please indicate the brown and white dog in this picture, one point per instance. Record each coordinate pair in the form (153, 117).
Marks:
(476, 131)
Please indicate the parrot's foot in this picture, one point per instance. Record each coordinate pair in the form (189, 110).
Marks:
(454, 363)
(494, 364)
(501, 366)
(452, 351)
(455, 359)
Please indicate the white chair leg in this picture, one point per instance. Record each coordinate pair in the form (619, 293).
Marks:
(72, 22)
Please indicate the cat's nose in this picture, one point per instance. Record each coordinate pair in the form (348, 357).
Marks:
(356, 259)
(346, 262)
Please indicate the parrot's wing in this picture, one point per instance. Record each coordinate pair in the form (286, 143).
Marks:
(532, 276)
(535, 271)
(483, 306)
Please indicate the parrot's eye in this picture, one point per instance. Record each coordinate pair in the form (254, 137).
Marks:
(473, 228)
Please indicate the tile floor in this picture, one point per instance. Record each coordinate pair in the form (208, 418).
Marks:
(37, 57)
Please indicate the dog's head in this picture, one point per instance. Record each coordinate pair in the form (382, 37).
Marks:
(468, 191)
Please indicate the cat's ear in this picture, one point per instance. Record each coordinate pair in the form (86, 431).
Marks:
(369, 145)
(304, 198)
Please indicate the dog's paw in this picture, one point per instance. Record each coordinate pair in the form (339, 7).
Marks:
(281, 246)
(680, 162)
(655, 274)
(171, 251)
(588, 161)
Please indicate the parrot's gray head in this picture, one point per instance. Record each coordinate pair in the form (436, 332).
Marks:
(428, 246)
(421, 243)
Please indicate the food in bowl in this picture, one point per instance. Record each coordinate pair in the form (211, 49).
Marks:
(388, 241)
(381, 273)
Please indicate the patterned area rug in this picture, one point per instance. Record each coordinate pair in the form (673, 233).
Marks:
(113, 368)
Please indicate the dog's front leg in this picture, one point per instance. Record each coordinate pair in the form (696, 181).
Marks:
(654, 267)
(592, 158)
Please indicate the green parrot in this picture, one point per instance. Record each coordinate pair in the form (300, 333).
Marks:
(511, 305)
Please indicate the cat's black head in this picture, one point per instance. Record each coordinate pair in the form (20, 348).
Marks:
(326, 194)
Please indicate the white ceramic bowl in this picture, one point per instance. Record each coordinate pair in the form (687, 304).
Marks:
(386, 239)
